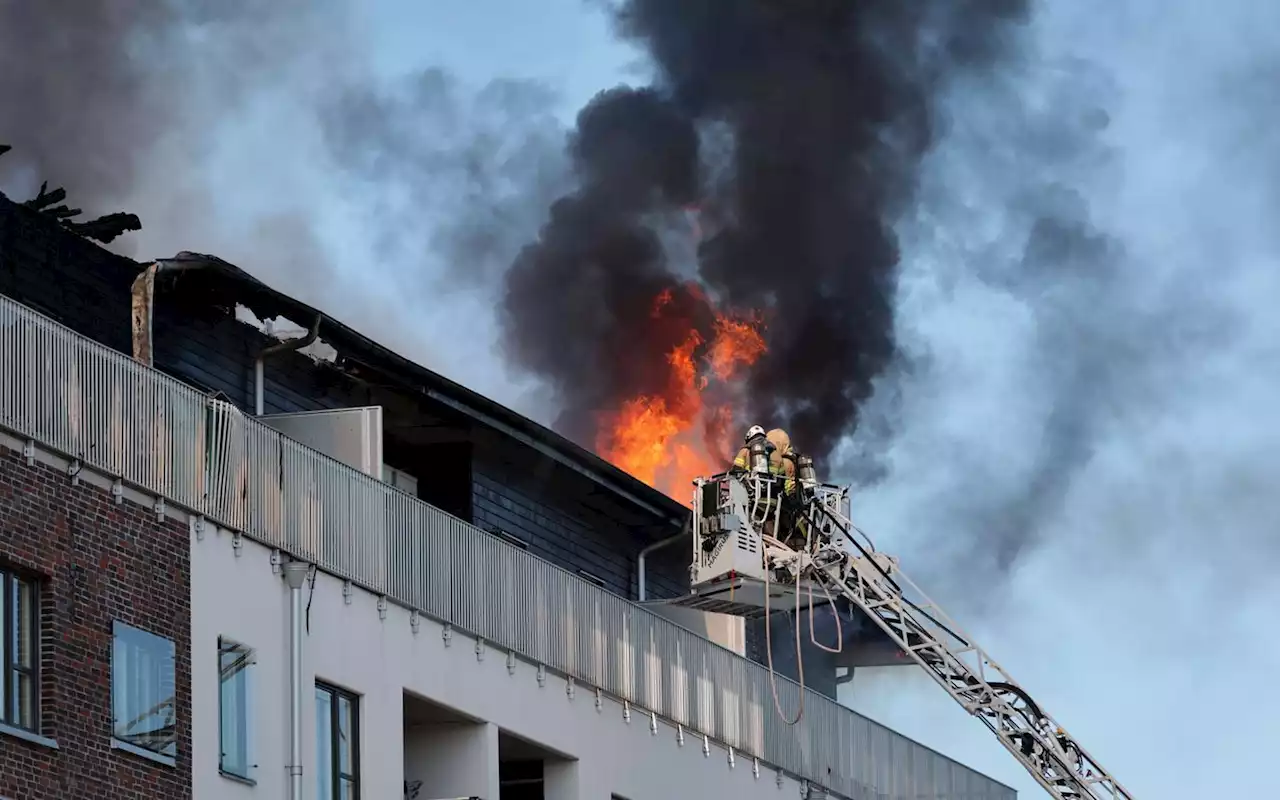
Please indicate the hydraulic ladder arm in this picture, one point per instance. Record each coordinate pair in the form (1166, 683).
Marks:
(928, 636)
(738, 565)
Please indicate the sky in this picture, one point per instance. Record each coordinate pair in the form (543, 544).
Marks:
(1134, 613)
(561, 49)
(1076, 448)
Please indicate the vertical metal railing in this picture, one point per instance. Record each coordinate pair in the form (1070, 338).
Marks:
(102, 408)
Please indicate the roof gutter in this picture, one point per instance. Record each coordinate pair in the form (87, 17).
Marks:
(143, 302)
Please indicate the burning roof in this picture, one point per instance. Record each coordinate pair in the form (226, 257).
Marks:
(670, 437)
(224, 283)
(796, 130)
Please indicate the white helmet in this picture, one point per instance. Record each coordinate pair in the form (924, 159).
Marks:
(753, 432)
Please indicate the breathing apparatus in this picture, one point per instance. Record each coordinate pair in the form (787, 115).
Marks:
(758, 449)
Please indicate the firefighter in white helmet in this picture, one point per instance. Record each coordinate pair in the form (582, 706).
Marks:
(778, 447)
(770, 453)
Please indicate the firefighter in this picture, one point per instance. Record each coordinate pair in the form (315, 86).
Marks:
(782, 463)
(782, 467)
(743, 459)
(779, 449)
(780, 460)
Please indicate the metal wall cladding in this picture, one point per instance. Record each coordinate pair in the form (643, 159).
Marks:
(101, 407)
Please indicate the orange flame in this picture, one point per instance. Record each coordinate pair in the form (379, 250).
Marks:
(668, 440)
(737, 344)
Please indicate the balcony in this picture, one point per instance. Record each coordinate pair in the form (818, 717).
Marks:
(100, 407)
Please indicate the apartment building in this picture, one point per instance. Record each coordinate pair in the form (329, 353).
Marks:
(391, 584)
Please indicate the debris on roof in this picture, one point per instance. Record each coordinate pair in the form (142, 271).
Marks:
(285, 329)
(104, 229)
(107, 228)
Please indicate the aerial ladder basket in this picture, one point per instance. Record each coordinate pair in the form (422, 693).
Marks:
(755, 551)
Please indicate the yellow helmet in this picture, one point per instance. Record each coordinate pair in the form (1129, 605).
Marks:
(780, 440)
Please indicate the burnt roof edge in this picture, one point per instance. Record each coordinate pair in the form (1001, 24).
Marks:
(452, 394)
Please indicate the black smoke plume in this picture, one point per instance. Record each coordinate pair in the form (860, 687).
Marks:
(827, 106)
(75, 91)
(88, 88)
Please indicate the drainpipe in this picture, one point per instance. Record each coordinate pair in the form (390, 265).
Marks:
(644, 555)
(286, 346)
(295, 574)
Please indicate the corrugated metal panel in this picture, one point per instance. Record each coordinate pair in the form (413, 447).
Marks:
(101, 407)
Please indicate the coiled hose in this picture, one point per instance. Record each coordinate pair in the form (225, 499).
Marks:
(813, 636)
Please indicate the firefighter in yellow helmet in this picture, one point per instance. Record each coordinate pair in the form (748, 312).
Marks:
(780, 465)
(780, 460)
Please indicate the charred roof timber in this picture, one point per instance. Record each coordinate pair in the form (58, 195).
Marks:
(362, 356)
(104, 229)
(226, 284)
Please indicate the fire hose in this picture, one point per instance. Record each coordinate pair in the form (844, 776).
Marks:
(768, 627)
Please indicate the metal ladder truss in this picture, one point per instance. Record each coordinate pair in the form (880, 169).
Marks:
(973, 679)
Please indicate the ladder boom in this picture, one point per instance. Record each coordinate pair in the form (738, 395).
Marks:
(726, 512)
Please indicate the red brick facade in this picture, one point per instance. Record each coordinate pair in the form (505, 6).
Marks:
(99, 562)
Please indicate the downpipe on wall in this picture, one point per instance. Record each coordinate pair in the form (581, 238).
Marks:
(295, 575)
(286, 346)
(642, 593)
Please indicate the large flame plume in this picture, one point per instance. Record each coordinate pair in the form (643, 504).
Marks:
(669, 438)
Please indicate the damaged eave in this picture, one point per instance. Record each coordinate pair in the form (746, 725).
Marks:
(363, 359)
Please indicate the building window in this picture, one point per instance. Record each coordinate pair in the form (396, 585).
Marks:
(19, 651)
(234, 673)
(143, 696)
(337, 744)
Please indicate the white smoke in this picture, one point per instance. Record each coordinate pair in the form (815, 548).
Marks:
(1088, 310)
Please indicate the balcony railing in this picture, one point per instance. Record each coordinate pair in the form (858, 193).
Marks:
(99, 406)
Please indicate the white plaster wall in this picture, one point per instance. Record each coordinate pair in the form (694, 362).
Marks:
(727, 631)
(457, 759)
(237, 595)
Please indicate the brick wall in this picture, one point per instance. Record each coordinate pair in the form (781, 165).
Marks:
(99, 562)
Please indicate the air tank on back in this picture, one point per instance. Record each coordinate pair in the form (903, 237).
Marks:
(758, 447)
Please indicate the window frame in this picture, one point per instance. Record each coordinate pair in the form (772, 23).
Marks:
(336, 775)
(226, 644)
(168, 753)
(9, 580)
